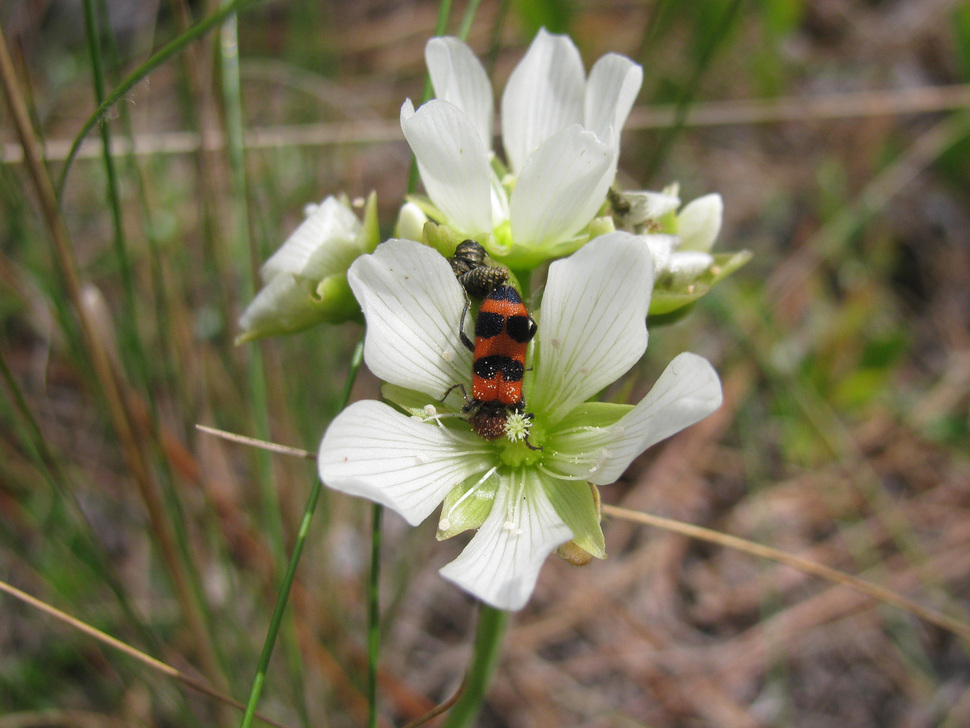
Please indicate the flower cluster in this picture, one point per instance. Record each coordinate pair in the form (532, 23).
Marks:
(680, 241)
(560, 132)
(305, 281)
(525, 501)
(617, 257)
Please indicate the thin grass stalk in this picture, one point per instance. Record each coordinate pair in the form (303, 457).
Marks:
(466, 23)
(276, 621)
(495, 39)
(169, 50)
(880, 594)
(374, 613)
(129, 323)
(111, 389)
(80, 540)
(824, 245)
(203, 115)
(246, 257)
(656, 22)
(127, 649)
(753, 327)
(488, 648)
(690, 89)
(161, 300)
(444, 9)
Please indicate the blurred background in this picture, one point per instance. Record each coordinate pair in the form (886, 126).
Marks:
(836, 132)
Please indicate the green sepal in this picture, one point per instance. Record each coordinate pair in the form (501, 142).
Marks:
(426, 205)
(442, 238)
(575, 504)
(302, 305)
(409, 400)
(665, 300)
(463, 510)
(601, 226)
(334, 301)
(369, 236)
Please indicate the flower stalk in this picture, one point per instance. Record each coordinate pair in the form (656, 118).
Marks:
(488, 648)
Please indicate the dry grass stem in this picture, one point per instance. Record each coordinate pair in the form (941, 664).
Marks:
(922, 100)
(809, 567)
(704, 534)
(117, 644)
(111, 387)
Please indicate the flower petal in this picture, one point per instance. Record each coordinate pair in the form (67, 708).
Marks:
(661, 249)
(687, 392)
(684, 267)
(644, 206)
(611, 90)
(500, 565)
(458, 77)
(544, 94)
(372, 451)
(410, 222)
(325, 243)
(699, 222)
(413, 304)
(592, 323)
(561, 187)
(453, 162)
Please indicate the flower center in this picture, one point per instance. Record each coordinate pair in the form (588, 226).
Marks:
(523, 452)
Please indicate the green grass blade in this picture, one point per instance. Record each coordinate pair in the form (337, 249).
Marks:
(173, 47)
(488, 648)
(277, 619)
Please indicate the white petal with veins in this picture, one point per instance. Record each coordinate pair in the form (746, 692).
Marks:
(592, 326)
(501, 564)
(413, 306)
(372, 451)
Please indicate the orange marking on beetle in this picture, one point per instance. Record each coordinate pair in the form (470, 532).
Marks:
(503, 331)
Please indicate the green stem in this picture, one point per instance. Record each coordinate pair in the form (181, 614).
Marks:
(175, 46)
(443, 11)
(277, 619)
(128, 325)
(488, 648)
(690, 89)
(374, 613)
(467, 20)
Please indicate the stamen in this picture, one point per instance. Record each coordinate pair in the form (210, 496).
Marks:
(558, 476)
(577, 430)
(432, 414)
(517, 427)
(604, 455)
(511, 525)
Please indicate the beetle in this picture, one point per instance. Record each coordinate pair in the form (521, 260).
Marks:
(503, 331)
(476, 276)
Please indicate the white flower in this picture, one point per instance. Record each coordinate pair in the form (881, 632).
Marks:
(560, 133)
(679, 241)
(305, 280)
(524, 502)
